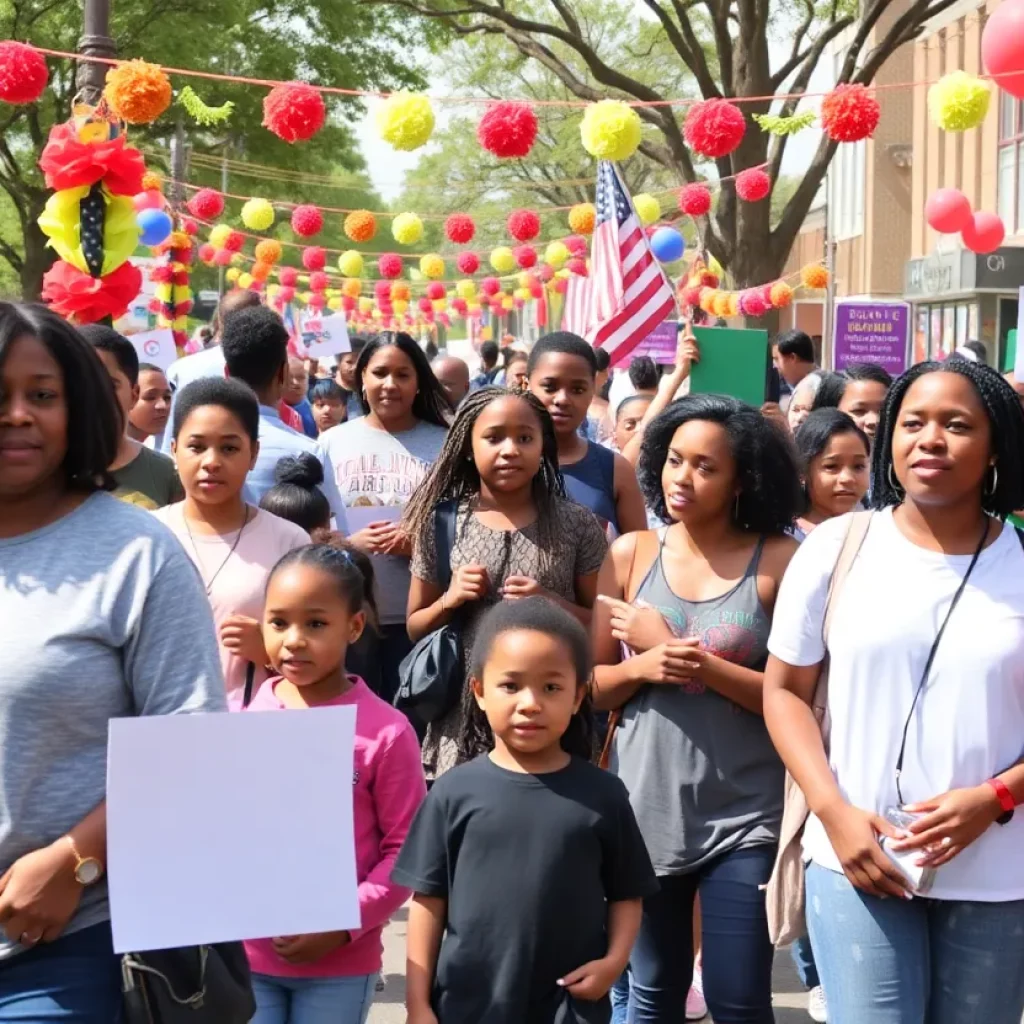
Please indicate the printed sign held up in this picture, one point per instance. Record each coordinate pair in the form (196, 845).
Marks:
(325, 335)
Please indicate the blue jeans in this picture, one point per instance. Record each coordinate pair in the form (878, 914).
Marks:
(343, 1000)
(803, 957)
(737, 953)
(920, 961)
(620, 1000)
(77, 978)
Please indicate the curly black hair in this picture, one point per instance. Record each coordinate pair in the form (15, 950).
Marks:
(229, 393)
(254, 341)
(833, 385)
(770, 494)
(1006, 420)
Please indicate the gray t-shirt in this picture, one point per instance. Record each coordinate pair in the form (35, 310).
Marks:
(376, 474)
(103, 617)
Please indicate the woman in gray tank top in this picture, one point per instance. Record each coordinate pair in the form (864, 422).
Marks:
(680, 636)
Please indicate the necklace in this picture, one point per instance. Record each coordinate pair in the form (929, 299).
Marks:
(199, 561)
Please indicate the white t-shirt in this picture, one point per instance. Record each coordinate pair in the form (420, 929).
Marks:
(969, 722)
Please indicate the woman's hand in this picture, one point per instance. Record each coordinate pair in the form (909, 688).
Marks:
(39, 894)
(592, 981)
(243, 637)
(374, 538)
(639, 628)
(950, 823)
(306, 949)
(687, 352)
(395, 541)
(517, 587)
(469, 583)
(854, 836)
(675, 661)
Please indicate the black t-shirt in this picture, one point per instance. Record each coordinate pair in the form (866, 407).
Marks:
(526, 864)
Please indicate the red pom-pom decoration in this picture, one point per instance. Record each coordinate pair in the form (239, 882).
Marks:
(206, 204)
(67, 162)
(691, 295)
(714, 128)
(189, 226)
(460, 306)
(523, 225)
(71, 293)
(577, 245)
(307, 221)
(578, 266)
(490, 286)
(382, 289)
(849, 113)
(23, 73)
(206, 253)
(460, 229)
(424, 305)
(508, 130)
(526, 256)
(317, 301)
(390, 265)
(435, 291)
(234, 241)
(222, 258)
(467, 262)
(294, 112)
(695, 200)
(285, 294)
(314, 258)
(318, 281)
(752, 303)
(288, 276)
(753, 185)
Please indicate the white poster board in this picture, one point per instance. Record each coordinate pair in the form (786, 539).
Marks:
(230, 826)
(325, 335)
(1018, 356)
(156, 347)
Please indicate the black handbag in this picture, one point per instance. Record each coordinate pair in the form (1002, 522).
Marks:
(192, 985)
(432, 675)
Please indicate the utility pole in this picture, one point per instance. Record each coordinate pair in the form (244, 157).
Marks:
(95, 42)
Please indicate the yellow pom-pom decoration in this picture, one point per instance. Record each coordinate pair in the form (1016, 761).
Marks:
(521, 293)
(137, 92)
(508, 302)
(272, 290)
(733, 305)
(781, 295)
(556, 254)
(465, 289)
(958, 101)
(350, 264)
(648, 209)
(334, 304)
(405, 120)
(365, 304)
(151, 181)
(503, 260)
(400, 305)
(707, 298)
(237, 259)
(720, 307)
(257, 215)
(582, 217)
(268, 251)
(352, 288)
(610, 130)
(219, 235)
(815, 276)
(244, 280)
(440, 305)
(407, 229)
(432, 266)
(233, 274)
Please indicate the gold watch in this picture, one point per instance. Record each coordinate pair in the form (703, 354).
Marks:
(88, 870)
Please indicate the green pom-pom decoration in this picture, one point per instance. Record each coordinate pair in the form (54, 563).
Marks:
(200, 112)
(775, 125)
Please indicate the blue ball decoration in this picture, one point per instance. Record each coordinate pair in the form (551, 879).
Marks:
(155, 225)
(667, 244)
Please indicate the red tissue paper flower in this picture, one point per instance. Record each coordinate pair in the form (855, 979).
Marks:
(294, 112)
(849, 113)
(390, 265)
(577, 245)
(288, 276)
(578, 266)
(23, 73)
(206, 204)
(508, 130)
(714, 128)
(490, 286)
(222, 258)
(435, 291)
(307, 221)
(467, 262)
(234, 241)
(753, 185)
(317, 301)
(75, 295)
(460, 229)
(694, 200)
(67, 162)
(526, 256)
(314, 258)
(523, 225)
(318, 281)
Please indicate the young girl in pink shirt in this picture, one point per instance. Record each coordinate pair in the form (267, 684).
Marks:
(314, 609)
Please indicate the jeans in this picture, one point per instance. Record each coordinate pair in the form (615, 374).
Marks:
(620, 1000)
(922, 961)
(737, 954)
(313, 1000)
(803, 957)
(77, 978)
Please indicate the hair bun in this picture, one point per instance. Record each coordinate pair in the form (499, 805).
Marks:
(303, 470)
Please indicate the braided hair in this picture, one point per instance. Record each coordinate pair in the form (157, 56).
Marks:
(1006, 420)
(833, 385)
(454, 476)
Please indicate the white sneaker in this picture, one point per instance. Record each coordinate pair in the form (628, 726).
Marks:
(817, 1008)
(696, 1007)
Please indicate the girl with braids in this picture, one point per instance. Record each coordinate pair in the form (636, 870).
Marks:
(926, 675)
(315, 608)
(517, 535)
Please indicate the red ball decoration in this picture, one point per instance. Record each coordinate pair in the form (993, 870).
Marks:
(189, 226)
(222, 258)
(1002, 47)
(523, 225)
(288, 276)
(307, 221)
(234, 241)
(318, 281)
(526, 256)
(691, 295)
(849, 113)
(578, 266)
(984, 233)
(206, 204)
(23, 73)
(467, 262)
(424, 305)
(508, 130)
(390, 265)
(577, 246)
(695, 200)
(206, 253)
(435, 291)
(317, 301)
(714, 128)
(314, 257)
(947, 210)
(752, 303)
(753, 185)
(294, 112)
(490, 286)
(460, 229)
(286, 293)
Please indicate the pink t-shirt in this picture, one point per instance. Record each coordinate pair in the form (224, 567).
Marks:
(239, 586)
(388, 787)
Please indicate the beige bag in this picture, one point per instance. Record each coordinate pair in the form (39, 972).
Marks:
(784, 895)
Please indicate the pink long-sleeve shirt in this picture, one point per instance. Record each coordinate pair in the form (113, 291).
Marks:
(388, 787)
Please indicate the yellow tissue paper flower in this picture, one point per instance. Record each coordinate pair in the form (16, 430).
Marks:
(407, 229)
(350, 263)
(432, 266)
(465, 289)
(610, 130)
(61, 222)
(556, 254)
(257, 215)
(648, 209)
(503, 260)
(406, 120)
(958, 101)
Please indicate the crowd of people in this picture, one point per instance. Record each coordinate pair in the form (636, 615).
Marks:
(682, 621)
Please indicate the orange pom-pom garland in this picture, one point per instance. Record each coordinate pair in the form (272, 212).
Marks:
(814, 275)
(137, 92)
(360, 226)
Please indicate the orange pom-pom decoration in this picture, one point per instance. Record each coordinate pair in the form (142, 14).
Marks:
(23, 73)
(753, 185)
(268, 251)
(400, 291)
(814, 275)
(459, 228)
(261, 271)
(694, 200)
(307, 221)
(508, 130)
(352, 288)
(706, 299)
(206, 204)
(314, 258)
(360, 226)
(294, 112)
(582, 217)
(849, 113)
(714, 128)
(390, 265)
(467, 262)
(137, 92)
(523, 225)
(781, 295)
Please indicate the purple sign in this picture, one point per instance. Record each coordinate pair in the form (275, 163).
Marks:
(660, 344)
(872, 332)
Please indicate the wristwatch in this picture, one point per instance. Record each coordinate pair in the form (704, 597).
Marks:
(1005, 798)
(88, 870)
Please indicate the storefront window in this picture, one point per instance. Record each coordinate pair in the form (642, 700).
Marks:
(1011, 163)
(941, 328)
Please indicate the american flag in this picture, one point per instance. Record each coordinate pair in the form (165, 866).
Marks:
(296, 346)
(627, 294)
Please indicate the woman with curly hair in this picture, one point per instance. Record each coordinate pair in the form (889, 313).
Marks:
(680, 634)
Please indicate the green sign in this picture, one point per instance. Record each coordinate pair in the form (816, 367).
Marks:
(733, 361)
(1010, 350)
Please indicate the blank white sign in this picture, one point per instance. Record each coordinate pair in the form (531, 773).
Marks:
(230, 826)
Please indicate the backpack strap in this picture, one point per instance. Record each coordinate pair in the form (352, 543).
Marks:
(445, 516)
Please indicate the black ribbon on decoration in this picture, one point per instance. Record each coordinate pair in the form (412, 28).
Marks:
(92, 212)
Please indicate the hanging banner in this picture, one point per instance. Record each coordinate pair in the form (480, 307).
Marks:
(872, 332)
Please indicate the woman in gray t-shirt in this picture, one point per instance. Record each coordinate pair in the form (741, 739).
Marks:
(95, 597)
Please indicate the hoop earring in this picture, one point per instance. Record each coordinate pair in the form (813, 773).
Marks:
(893, 482)
(989, 491)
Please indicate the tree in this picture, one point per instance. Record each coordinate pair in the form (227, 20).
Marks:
(723, 48)
(330, 42)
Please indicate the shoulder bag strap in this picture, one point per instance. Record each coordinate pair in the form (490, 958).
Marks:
(444, 540)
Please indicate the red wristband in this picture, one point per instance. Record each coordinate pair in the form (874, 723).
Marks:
(1003, 793)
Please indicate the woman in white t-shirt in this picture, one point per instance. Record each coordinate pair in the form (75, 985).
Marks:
(943, 743)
